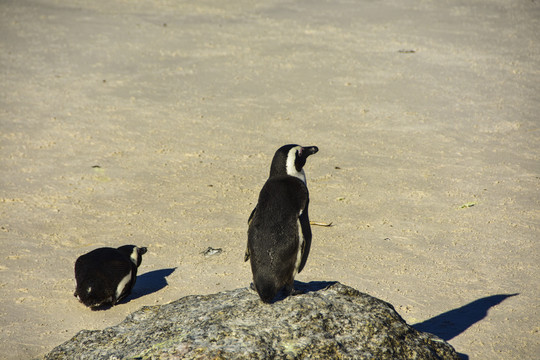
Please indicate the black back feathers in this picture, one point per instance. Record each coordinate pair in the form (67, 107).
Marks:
(279, 234)
(106, 275)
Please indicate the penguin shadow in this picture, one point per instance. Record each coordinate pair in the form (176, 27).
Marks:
(450, 324)
(145, 284)
(301, 288)
(149, 283)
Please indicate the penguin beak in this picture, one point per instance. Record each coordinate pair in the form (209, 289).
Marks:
(305, 151)
(142, 250)
(302, 155)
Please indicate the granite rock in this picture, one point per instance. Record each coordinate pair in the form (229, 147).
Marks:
(328, 321)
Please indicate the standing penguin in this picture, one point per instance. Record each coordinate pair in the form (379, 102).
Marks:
(106, 275)
(279, 234)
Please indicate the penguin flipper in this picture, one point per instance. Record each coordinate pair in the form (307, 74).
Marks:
(306, 244)
(305, 252)
(246, 254)
(251, 215)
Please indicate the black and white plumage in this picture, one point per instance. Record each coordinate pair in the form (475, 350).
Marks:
(279, 234)
(106, 275)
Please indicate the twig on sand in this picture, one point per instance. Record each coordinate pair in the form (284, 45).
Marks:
(318, 223)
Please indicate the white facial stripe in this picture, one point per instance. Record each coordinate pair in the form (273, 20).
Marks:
(291, 169)
(122, 284)
(134, 255)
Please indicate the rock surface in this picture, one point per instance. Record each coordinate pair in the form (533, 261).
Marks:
(329, 321)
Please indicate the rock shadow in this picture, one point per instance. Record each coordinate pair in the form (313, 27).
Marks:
(454, 322)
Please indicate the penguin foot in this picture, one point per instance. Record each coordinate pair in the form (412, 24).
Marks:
(252, 287)
(290, 290)
(295, 292)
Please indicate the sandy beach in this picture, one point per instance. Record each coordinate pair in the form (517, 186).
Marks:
(154, 123)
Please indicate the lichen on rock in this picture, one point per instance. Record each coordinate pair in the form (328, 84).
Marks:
(328, 321)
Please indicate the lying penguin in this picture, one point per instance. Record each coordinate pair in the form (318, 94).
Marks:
(279, 233)
(106, 275)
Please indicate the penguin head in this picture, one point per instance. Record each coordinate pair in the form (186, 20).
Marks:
(133, 252)
(290, 160)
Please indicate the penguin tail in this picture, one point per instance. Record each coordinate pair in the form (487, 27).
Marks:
(89, 297)
(266, 289)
